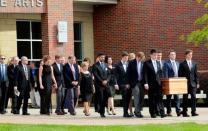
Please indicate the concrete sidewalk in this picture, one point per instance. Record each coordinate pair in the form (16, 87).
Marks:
(95, 119)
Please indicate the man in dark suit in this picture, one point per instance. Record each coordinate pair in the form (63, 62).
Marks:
(171, 70)
(3, 84)
(123, 83)
(101, 79)
(188, 69)
(11, 77)
(23, 82)
(135, 79)
(152, 83)
(71, 80)
(58, 73)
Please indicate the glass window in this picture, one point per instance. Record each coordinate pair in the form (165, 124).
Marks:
(29, 42)
(78, 41)
(23, 49)
(36, 30)
(23, 30)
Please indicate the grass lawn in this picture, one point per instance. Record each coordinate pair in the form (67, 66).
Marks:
(152, 127)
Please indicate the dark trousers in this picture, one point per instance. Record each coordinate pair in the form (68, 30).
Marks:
(45, 101)
(3, 96)
(60, 95)
(138, 93)
(25, 103)
(10, 94)
(126, 97)
(176, 103)
(102, 99)
(76, 96)
(192, 92)
(155, 102)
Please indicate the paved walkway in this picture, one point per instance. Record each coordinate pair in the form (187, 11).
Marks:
(94, 119)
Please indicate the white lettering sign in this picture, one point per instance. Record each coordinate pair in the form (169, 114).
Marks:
(62, 32)
(3, 3)
(23, 3)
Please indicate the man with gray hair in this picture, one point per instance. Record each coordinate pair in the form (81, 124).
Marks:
(23, 79)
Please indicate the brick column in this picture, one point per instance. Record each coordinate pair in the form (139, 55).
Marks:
(57, 10)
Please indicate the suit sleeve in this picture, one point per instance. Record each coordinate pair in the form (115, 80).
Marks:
(196, 74)
(165, 69)
(66, 75)
(16, 76)
(95, 73)
(145, 73)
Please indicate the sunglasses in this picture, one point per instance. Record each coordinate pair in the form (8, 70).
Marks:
(3, 58)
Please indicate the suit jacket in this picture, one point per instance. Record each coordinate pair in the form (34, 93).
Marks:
(6, 76)
(68, 75)
(151, 77)
(11, 75)
(23, 85)
(168, 69)
(191, 75)
(121, 75)
(58, 74)
(100, 75)
(133, 73)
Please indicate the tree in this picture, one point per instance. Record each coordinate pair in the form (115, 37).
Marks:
(199, 36)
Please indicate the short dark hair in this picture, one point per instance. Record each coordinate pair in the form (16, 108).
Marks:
(172, 51)
(188, 51)
(106, 58)
(124, 53)
(100, 54)
(152, 51)
(57, 57)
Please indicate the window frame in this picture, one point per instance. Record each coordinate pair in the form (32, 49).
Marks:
(31, 40)
(79, 41)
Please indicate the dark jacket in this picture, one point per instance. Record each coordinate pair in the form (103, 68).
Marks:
(121, 75)
(191, 75)
(58, 74)
(68, 76)
(168, 69)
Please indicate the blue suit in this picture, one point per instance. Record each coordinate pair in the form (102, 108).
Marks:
(168, 73)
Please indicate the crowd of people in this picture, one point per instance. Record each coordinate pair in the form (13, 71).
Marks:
(133, 76)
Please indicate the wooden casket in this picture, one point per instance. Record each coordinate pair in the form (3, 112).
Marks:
(176, 85)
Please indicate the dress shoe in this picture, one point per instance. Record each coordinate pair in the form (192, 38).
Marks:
(169, 114)
(63, 111)
(185, 115)
(26, 113)
(127, 115)
(139, 115)
(163, 115)
(102, 115)
(73, 113)
(16, 112)
(59, 113)
(153, 116)
(194, 114)
(3, 112)
(179, 113)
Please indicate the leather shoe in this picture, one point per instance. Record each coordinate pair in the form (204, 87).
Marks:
(169, 114)
(102, 115)
(153, 116)
(194, 114)
(26, 113)
(73, 113)
(179, 113)
(127, 115)
(163, 115)
(139, 115)
(59, 113)
(185, 115)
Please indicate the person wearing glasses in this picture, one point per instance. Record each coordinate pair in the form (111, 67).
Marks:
(3, 84)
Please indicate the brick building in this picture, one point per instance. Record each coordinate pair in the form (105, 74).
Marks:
(30, 27)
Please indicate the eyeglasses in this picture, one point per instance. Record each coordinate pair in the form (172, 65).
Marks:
(3, 58)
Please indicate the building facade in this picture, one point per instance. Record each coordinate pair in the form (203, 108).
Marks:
(30, 27)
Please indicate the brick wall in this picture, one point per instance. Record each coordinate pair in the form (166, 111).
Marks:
(139, 25)
(57, 10)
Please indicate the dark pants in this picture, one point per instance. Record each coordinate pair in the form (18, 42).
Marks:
(10, 94)
(138, 93)
(3, 96)
(192, 92)
(126, 97)
(76, 96)
(70, 100)
(102, 98)
(176, 103)
(25, 104)
(60, 95)
(45, 101)
(155, 101)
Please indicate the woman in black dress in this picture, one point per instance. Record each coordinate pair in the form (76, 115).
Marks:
(86, 87)
(47, 81)
(112, 86)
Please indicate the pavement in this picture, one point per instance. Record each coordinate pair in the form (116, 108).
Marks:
(95, 119)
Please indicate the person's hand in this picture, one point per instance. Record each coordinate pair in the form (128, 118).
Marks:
(127, 86)
(198, 86)
(116, 87)
(15, 88)
(146, 86)
(41, 87)
(55, 86)
(104, 82)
